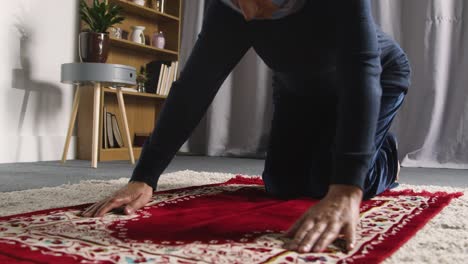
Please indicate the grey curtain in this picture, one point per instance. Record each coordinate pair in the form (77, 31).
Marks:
(238, 121)
(432, 125)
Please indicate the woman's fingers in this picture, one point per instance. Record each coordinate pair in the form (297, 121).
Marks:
(350, 236)
(136, 204)
(90, 210)
(310, 236)
(131, 197)
(326, 238)
(113, 203)
(293, 229)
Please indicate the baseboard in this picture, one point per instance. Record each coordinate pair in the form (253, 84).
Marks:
(34, 148)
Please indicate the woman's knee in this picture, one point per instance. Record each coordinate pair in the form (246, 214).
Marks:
(283, 188)
(384, 170)
(280, 188)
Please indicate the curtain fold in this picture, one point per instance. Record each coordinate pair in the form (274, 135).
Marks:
(432, 125)
(238, 121)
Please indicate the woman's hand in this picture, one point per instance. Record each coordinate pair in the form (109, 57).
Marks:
(336, 214)
(130, 198)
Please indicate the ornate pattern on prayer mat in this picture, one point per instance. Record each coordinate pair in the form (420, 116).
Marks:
(232, 222)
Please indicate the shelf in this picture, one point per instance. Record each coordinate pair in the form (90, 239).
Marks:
(120, 149)
(142, 109)
(145, 11)
(118, 153)
(149, 95)
(141, 48)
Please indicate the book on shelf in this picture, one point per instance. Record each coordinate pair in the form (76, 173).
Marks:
(162, 79)
(112, 136)
(161, 74)
(104, 135)
(140, 138)
(166, 80)
(176, 71)
(171, 78)
(125, 89)
(168, 74)
(163, 6)
(154, 70)
(116, 132)
(158, 88)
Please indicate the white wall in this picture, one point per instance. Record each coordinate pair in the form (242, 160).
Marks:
(36, 37)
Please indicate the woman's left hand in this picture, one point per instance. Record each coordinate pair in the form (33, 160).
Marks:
(336, 214)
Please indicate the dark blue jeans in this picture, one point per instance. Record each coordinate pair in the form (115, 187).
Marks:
(299, 157)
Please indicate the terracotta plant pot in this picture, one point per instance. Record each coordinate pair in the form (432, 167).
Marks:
(93, 47)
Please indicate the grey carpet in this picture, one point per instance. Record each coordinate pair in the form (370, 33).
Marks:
(23, 176)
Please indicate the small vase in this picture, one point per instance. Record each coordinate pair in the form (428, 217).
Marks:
(158, 40)
(115, 32)
(141, 87)
(156, 5)
(137, 34)
(93, 47)
(139, 2)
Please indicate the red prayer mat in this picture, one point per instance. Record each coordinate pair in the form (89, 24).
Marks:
(231, 222)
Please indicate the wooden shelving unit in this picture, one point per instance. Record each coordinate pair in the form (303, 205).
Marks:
(149, 50)
(142, 108)
(146, 11)
(149, 95)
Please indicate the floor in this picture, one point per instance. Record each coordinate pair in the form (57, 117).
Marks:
(23, 176)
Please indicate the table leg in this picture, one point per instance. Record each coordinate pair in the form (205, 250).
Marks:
(96, 109)
(123, 114)
(76, 102)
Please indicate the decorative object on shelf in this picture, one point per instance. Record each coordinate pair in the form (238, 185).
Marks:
(142, 109)
(162, 6)
(116, 32)
(138, 35)
(156, 5)
(158, 40)
(125, 34)
(140, 138)
(139, 2)
(154, 71)
(93, 44)
(142, 78)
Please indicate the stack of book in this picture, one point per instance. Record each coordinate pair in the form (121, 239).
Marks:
(161, 76)
(112, 136)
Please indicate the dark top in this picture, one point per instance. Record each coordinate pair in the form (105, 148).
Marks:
(338, 35)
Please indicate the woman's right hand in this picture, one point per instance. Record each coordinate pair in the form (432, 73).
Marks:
(130, 198)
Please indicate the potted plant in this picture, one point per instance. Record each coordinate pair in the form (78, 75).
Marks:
(94, 42)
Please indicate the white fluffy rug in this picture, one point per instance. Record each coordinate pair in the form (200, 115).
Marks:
(443, 240)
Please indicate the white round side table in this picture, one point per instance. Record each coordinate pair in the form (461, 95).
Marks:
(97, 75)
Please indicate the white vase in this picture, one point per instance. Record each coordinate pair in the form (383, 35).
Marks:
(139, 2)
(138, 35)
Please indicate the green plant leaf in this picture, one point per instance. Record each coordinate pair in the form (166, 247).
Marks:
(101, 15)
